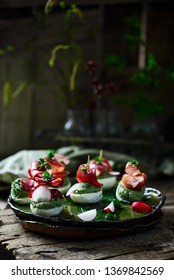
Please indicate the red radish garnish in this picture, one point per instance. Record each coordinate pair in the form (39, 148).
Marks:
(141, 207)
(41, 194)
(56, 193)
(85, 174)
(88, 215)
(110, 207)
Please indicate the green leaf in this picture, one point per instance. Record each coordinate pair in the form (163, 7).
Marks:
(78, 12)
(133, 35)
(54, 52)
(47, 176)
(10, 48)
(7, 93)
(19, 89)
(2, 51)
(98, 159)
(62, 4)
(151, 61)
(51, 153)
(74, 74)
(146, 106)
(117, 61)
(140, 78)
(170, 72)
(49, 6)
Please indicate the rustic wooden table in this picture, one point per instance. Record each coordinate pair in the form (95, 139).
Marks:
(155, 243)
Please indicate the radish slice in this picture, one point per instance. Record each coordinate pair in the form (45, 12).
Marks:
(110, 207)
(41, 194)
(88, 215)
(72, 189)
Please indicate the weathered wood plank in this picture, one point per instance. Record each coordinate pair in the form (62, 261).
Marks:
(3, 205)
(156, 243)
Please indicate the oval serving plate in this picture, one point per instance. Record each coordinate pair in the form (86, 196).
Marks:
(67, 225)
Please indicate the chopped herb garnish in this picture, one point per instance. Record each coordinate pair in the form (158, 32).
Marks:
(83, 168)
(51, 154)
(47, 176)
(111, 216)
(43, 165)
(41, 161)
(134, 162)
(117, 203)
(98, 159)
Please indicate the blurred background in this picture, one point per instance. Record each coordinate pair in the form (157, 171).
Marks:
(96, 73)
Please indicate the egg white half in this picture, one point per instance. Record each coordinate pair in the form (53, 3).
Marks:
(24, 200)
(108, 182)
(46, 212)
(85, 198)
(65, 188)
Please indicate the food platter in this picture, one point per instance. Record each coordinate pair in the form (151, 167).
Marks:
(67, 225)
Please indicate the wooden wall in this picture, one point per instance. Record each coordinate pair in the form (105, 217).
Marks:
(39, 107)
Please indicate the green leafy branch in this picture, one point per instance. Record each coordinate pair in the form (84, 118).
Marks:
(76, 63)
(149, 75)
(54, 52)
(71, 47)
(132, 36)
(9, 93)
(72, 9)
(7, 49)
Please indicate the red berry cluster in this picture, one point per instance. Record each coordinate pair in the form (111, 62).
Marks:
(97, 87)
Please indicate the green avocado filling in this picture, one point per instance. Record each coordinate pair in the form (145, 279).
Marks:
(130, 195)
(66, 181)
(86, 188)
(17, 191)
(55, 202)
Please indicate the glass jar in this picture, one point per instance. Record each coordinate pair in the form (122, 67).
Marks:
(77, 123)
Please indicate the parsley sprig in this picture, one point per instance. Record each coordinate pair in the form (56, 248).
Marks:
(51, 154)
(47, 176)
(43, 165)
(134, 162)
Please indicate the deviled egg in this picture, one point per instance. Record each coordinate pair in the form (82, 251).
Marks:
(132, 185)
(88, 189)
(20, 189)
(46, 202)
